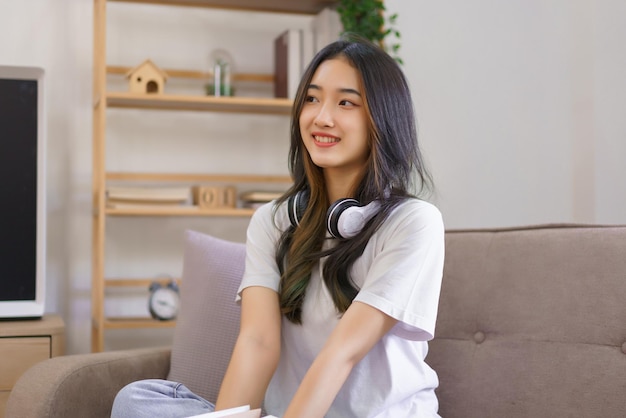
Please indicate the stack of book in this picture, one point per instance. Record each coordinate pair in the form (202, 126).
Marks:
(124, 197)
(254, 199)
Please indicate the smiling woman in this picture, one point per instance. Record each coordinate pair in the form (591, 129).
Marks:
(338, 300)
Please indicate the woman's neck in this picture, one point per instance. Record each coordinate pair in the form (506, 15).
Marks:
(340, 184)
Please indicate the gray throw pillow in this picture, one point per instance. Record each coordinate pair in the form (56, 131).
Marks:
(208, 322)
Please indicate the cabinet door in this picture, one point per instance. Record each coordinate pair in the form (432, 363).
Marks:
(18, 354)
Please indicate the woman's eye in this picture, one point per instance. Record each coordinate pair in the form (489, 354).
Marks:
(346, 103)
(310, 99)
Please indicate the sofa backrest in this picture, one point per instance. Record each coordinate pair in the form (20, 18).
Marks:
(532, 323)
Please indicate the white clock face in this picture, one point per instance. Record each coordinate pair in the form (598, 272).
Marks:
(164, 303)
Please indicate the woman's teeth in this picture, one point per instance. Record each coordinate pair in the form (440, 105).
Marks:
(325, 139)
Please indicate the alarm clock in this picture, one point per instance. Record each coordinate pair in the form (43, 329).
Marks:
(164, 301)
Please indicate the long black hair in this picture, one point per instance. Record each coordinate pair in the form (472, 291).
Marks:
(395, 171)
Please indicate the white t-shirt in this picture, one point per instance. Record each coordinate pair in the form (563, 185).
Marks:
(400, 274)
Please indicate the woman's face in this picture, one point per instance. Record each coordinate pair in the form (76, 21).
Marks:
(333, 120)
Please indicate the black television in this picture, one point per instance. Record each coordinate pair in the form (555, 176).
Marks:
(22, 193)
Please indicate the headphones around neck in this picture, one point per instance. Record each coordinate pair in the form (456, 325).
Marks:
(345, 218)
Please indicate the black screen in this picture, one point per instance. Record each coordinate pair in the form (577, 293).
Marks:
(18, 189)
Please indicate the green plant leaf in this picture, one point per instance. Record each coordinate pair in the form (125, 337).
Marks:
(367, 18)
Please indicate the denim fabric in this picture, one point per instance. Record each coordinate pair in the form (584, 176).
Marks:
(156, 398)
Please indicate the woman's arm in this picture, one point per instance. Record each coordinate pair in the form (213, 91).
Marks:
(256, 351)
(360, 328)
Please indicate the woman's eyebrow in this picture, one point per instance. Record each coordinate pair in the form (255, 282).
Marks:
(350, 91)
(341, 90)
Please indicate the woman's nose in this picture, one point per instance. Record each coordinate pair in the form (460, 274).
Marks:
(324, 118)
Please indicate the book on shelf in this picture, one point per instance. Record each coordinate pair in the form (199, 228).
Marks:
(237, 412)
(295, 48)
(149, 206)
(326, 28)
(259, 196)
(308, 48)
(255, 199)
(125, 195)
(287, 63)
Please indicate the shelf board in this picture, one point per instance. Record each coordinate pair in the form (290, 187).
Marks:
(260, 105)
(275, 6)
(197, 75)
(178, 211)
(126, 322)
(116, 283)
(196, 178)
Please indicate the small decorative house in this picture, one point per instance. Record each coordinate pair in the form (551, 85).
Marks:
(146, 78)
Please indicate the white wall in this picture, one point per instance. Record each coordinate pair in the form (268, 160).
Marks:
(519, 108)
(56, 35)
(609, 98)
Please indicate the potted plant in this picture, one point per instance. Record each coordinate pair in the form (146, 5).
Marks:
(367, 18)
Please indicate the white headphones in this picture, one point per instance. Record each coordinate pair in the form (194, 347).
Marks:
(345, 218)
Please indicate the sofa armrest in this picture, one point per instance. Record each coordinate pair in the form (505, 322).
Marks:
(83, 385)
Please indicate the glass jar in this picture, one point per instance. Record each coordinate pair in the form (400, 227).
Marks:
(220, 82)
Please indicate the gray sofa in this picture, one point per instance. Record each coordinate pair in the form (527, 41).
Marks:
(532, 323)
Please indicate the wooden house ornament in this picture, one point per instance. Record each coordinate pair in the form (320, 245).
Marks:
(146, 78)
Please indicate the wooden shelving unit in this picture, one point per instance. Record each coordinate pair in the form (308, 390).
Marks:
(104, 99)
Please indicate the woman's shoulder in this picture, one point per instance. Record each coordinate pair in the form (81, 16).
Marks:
(265, 210)
(415, 215)
(272, 214)
(417, 208)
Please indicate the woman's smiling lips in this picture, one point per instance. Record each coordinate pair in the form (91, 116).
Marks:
(325, 140)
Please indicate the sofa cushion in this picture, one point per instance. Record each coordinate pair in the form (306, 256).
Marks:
(208, 323)
(531, 323)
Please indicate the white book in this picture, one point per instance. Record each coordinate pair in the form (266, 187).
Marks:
(295, 61)
(171, 194)
(260, 196)
(237, 412)
(308, 48)
(326, 27)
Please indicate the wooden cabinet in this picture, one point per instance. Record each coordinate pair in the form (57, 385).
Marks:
(24, 343)
(107, 99)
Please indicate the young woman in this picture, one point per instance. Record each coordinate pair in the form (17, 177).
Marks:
(342, 279)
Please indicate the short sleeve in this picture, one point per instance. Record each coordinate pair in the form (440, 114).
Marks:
(261, 240)
(405, 274)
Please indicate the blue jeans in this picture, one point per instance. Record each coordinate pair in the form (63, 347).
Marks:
(155, 398)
